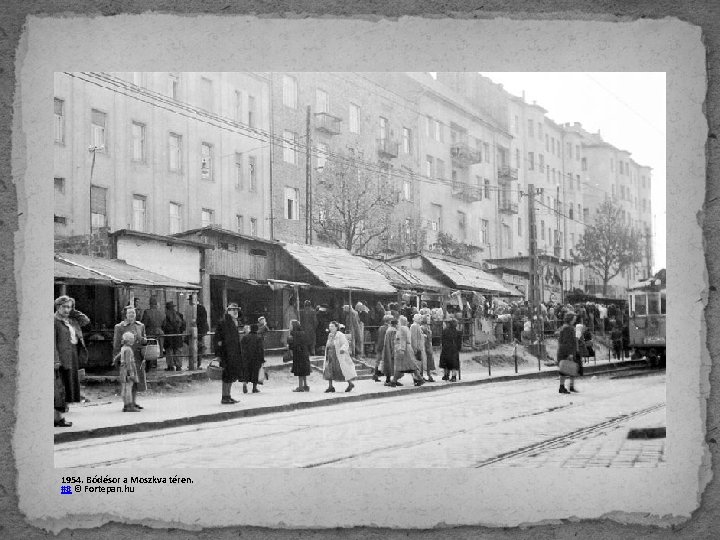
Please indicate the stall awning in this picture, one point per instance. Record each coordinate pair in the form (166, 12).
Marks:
(83, 268)
(405, 278)
(339, 269)
(469, 277)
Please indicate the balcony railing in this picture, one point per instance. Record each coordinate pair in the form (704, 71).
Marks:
(388, 148)
(466, 192)
(507, 173)
(327, 123)
(463, 156)
(507, 205)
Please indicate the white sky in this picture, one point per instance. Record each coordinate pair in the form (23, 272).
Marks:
(627, 108)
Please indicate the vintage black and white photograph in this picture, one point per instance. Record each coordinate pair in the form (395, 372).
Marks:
(359, 269)
(346, 274)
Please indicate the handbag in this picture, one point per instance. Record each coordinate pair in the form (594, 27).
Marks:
(151, 351)
(287, 356)
(567, 367)
(214, 370)
(262, 375)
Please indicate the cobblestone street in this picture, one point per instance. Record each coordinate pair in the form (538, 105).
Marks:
(523, 423)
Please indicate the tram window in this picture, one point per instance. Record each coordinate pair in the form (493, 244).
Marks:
(662, 303)
(640, 305)
(653, 304)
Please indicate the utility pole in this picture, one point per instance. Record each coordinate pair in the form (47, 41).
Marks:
(308, 181)
(532, 248)
(648, 252)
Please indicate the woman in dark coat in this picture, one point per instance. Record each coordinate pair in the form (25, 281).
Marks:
(297, 341)
(567, 350)
(69, 346)
(450, 350)
(253, 357)
(137, 329)
(227, 347)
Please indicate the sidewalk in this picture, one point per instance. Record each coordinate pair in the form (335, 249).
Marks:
(199, 398)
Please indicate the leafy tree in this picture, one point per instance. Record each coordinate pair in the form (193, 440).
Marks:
(608, 246)
(352, 205)
(448, 245)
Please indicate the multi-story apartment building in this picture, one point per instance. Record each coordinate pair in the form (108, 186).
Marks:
(161, 152)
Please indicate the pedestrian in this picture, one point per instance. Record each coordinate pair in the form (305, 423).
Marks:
(298, 343)
(417, 342)
(153, 320)
(429, 355)
(130, 324)
(450, 343)
(582, 352)
(59, 396)
(252, 355)
(364, 322)
(567, 351)
(69, 347)
(128, 372)
(617, 340)
(379, 346)
(139, 312)
(308, 321)
(263, 327)
(227, 347)
(290, 313)
(173, 326)
(404, 355)
(202, 329)
(352, 327)
(338, 365)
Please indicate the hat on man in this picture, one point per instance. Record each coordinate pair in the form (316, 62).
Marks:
(232, 305)
(169, 305)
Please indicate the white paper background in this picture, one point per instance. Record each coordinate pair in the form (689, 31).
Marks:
(328, 498)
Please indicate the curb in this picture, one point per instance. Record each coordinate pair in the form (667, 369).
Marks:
(63, 437)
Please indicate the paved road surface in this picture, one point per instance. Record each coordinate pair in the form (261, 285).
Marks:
(523, 423)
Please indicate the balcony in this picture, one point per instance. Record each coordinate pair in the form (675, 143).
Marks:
(327, 123)
(388, 148)
(506, 203)
(463, 156)
(466, 192)
(507, 173)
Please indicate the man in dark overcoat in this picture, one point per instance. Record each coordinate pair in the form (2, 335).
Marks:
(227, 347)
(308, 322)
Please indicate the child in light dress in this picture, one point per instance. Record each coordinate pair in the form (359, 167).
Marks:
(128, 372)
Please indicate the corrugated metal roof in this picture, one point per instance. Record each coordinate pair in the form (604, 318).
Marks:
(469, 277)
(115, 271)
(339, 269)
(69, 272)
(406, 278)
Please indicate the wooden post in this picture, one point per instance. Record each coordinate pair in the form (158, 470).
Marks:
(488, 359)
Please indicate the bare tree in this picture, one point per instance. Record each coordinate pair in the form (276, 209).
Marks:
(353, 204)
(609, 246)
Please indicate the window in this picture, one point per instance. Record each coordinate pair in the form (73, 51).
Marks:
(462, 225)
(577, 177)
(253, 226)
(568, 149)
(138, 141)
(540, 131)
(383, 129)
(251, 111)
(436, 220)
(252, 170)
(640, 304)
(175, 152)
(577, 152)
(239, 225)
(429, 166)
(59, 121)
(98, 121)
(507, 236)
(98, 207)
(139, 79)
(407, 190)
(542, 229)
(291, 203)
(239, 176)
(60, 221)
(440, 169)
(289, 87)
(484, 233)
(487, 188)
(547, 142)
(175, 221)
(207, 217)
(486, 151)
(322, 153)
(586, 214)
(531, 128)
(354, 118)
(547, 169)
(570, 211)
(407, 140)
(174, 85)
(428, 127)
(237, 106)
(541, 162)
(554, 176)
(579, 211)
(517, 158)
(206, 161)
(322, 101)
(519, 226)
(206, 93)
(439, 131)
(531, 161)
(583, 164)
(60, 187)
(517, 124)
(139, 204)
(289, 141)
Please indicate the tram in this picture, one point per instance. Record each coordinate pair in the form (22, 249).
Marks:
(646, 322)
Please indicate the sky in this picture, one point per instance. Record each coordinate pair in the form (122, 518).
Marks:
(628, 109)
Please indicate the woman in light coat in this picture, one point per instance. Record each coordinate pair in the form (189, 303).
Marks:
(137, 329)
(404, 355)
(338, 363)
